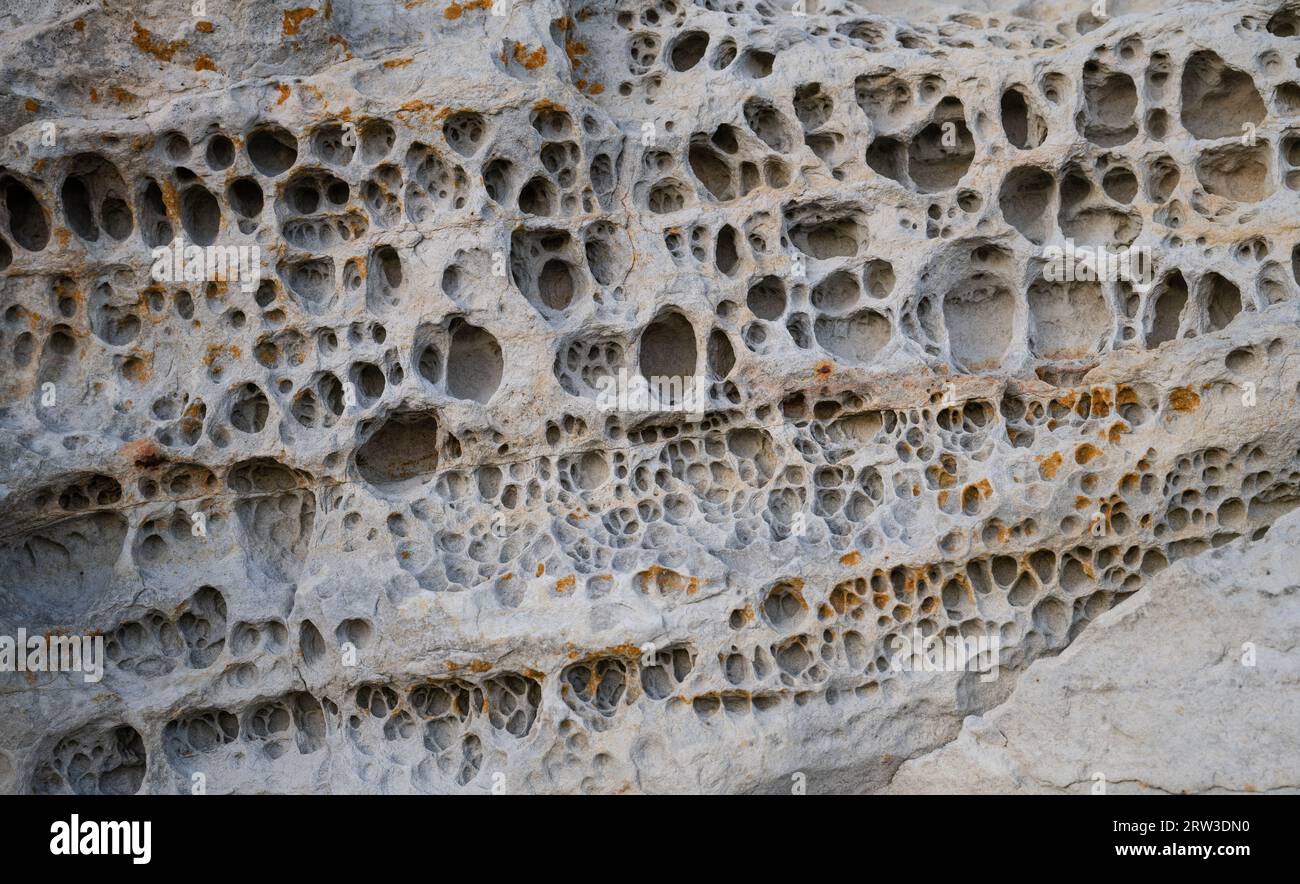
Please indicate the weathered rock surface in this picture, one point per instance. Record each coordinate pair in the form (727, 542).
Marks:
(1215, 709)
(363, 523)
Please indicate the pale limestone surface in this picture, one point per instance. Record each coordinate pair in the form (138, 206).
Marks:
(433, 561)
(1216, 710)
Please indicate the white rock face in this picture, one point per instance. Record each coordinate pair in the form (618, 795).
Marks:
(1126, 709)
(359, 517)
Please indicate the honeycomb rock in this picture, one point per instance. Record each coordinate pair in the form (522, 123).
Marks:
(354, 515)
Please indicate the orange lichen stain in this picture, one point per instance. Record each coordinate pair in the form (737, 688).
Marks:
(452, 665)
(1117, 429)
(1082, 503)
(823, 369)
(162, 50)
(667, 580)
(1184, 399)
(880, 600)
(530, 61)
(31, 105)
(94, 95)
(138, 368)
(566, 583)
(215, 352)
(316, 93)
(850, 558)
(66, 288)
(579, 515)
(545, 104)
(1085, 453)
(457, 9)
(121, 96)
(398, 62)
(79, 25)
(337, 40)
(169, 196)
(1049, 466)
(985, 487)
(192, 420)
(479, 665)
(423, 112)
(144, 453)
(1125, 395)
(284, 91)
(541, 569)
(575, 51)
(943, 498)
(293, 19)
(203, 63)
(1100, 402)
(204, 27)
(627, 649)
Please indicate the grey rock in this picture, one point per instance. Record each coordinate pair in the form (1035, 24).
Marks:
(358, 518)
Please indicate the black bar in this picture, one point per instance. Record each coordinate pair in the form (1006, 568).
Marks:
(338, 834)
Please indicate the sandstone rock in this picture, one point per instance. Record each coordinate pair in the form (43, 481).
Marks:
(358, 517)
(1214, 710)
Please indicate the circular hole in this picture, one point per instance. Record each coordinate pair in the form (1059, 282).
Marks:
(220, 153)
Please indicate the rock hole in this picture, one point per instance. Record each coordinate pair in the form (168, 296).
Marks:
(688, 49)
(404, 447)
(667, 348)
(272, 150)
(27, 222)
(474, 363)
